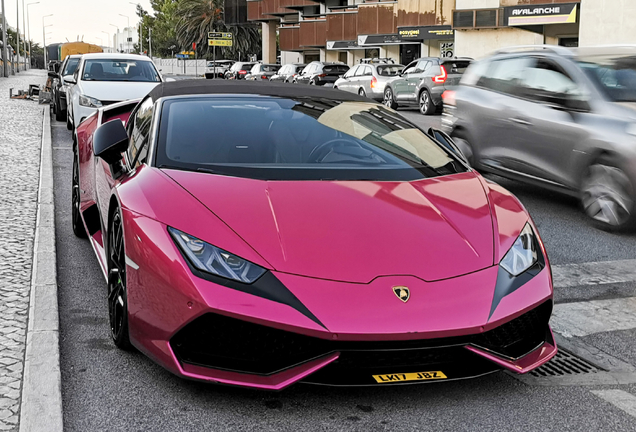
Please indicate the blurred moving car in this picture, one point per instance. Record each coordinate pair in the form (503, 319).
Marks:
(223, 252)
(239, 70)
(262, 72)
(60, 88)
(103, 79)
(561, 119)
(369, 79)
(287, 72)
(321, 73)
(423, 81)
(218, 69)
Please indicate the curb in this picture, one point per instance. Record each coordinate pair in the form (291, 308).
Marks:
(41, 403)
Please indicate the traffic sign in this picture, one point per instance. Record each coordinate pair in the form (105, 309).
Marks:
(220, 35)
(220, 42)
(182, 56)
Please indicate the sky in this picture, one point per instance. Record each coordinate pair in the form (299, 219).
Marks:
(75, 18)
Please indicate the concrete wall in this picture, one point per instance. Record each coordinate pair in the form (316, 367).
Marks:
(479, 43)
(607, 22)
(391, 51)
(175, 66)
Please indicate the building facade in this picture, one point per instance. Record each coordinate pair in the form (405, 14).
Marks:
(350, 30)
(124, 40)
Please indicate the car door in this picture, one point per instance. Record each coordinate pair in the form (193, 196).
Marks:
(493, 112)
(399, 85)
(414, 78)
(303, 78)
(346, 83)
(549, 131)
(139, 127)
(364, 81)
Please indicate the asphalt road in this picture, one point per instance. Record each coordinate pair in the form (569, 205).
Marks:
(107, 389)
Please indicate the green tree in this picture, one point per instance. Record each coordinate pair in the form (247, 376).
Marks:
(198, 17)
(163, 25)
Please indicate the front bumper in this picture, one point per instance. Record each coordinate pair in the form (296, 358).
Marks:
(201, 330)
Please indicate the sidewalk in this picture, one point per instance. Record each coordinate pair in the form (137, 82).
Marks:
(20, 141)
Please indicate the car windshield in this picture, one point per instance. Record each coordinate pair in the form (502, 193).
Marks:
(70, 67)
(456, 66)
(615, 77)
(272, 138)
(119, 70)
(389, 70)
(269, 68)
(335, 69)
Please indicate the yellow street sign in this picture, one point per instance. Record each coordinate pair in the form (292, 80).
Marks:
(220, 42)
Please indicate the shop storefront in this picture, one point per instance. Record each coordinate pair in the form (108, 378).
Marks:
(438, 41)
(557, 22)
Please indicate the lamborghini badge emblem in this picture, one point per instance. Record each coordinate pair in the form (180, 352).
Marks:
(402, 293)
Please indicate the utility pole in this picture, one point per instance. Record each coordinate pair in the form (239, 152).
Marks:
(150, 41)
(24, 36)
(17, 48)
(46, 67)
(5, 58)
(29, 30)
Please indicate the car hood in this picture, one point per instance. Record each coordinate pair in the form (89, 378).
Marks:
(355, 231)
(116, 91)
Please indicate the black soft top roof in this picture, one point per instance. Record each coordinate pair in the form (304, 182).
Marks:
(260, 88)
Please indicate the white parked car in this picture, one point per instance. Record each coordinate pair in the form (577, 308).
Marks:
(218, 69)
(106, 78)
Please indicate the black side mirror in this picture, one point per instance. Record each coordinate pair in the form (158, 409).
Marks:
(445, 140)
(53, 75)
(109, 142)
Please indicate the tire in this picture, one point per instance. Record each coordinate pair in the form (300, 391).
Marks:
(69, 125)
(608, 196)
(362, 93)
(117, 294)
(389, 100)
(312, 82)
(76, 218)
(59, 114)
(427, 107)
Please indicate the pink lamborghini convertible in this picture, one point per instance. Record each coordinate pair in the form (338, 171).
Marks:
(262, 234)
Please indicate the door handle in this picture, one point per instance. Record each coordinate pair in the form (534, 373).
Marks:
(520, 121)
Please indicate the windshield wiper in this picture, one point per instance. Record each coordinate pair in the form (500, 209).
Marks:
(207, 170)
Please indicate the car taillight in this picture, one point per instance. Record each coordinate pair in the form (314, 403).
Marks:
(263, 76)
(374, 81)
(322, 75)
(441, 79)
(449, 97)
(242, 72)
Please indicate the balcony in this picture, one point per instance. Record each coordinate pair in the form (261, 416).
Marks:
(377, 18)
(289, 37)
(297, 4)
(313, 32)
(342, 24)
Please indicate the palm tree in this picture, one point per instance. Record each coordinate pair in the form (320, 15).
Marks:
(198, 17)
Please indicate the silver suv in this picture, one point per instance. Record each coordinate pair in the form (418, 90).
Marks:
(559, 118)
(369, 79)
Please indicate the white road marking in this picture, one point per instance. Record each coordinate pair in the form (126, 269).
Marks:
(594, 273)
(620, 399)
(595, 316)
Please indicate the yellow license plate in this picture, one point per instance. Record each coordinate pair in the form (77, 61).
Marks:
(413, 376)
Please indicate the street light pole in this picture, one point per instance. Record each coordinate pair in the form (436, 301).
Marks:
(5, 59)
(128, 33)
(150, 41)
(17, 33)
(24, 36)
(29, 31)
(141, 31)
(108, 38)
(116, 37)
(44, 38)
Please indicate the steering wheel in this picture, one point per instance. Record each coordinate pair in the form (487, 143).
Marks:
(323, 149)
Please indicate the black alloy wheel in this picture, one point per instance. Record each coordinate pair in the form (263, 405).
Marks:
(608, 196)
(78, 226)
(117, 294)
(389, 100)
(312, 82)
(427, 107)
(362, 93)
